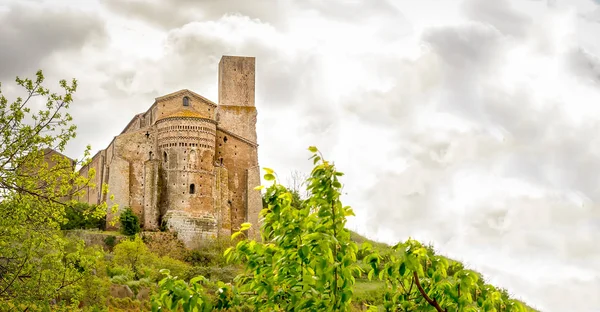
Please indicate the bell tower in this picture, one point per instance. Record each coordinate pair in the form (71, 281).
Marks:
(237, 150)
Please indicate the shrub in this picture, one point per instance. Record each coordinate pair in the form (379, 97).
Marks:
(202, 257)
(224, 274)
(165, 244)
(110, 241)
(81, 216)
(130, 223)
(211, 253)
(176, 267)
(133, 255)
(116, 270)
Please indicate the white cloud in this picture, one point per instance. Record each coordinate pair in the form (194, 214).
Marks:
(470, 124)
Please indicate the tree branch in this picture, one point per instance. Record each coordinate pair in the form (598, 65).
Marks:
(429, 300)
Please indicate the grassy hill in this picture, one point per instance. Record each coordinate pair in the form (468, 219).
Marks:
(372, 291)
(164, 250)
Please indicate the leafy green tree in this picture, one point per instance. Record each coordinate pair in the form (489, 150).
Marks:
(177, 293)
(419, 280)
(308, 262)
(133, 255)
(37, 264)
(130, 223)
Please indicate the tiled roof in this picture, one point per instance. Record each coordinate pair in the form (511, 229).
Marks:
(186, 113)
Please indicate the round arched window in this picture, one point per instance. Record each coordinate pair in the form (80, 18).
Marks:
(186, 101)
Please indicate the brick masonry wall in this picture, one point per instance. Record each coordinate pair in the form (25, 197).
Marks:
(161, 153)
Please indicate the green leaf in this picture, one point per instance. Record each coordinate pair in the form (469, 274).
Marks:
(245, 226)
(236, 234)
(197, 279)
(313, 149)
(269, 177)
(402, 269)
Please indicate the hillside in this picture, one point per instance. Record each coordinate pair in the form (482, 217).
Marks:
(372, 291)
(163, 250)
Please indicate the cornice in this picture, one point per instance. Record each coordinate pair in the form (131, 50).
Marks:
(237, 136)
(187, 92)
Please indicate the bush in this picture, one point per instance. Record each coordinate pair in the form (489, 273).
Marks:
(203, 257)
(80, 216)
(209, 254)
(130, 223)
(133, 255)
(224, 274)
(176, 267)
(165, 244)
(110, 241)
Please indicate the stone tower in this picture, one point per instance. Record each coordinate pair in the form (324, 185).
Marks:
(188, 164)
(236, 115)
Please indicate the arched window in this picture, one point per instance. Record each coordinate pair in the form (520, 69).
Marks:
(186, 101)
(165, 156)
(192, 188)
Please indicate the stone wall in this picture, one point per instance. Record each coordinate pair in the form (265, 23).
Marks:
(118, 185)
(187, 148)
(191, 229)
(136, 148)
(222, 202)
(170, 104)
(151, 213)
(237, 156)
(236, 81)
(253, 201)
(240, 120)
(193, 166)
(93, 195)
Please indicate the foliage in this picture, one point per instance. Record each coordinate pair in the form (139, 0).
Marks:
(368, 293)
(210, 253)
(132, 261)
(308, 261)
(38, 265)
(110, 241)
(130, 223)
(165, 244)
(419, 280)
(57, 272)
(132, 255)
(307, 247)
(177, 293)
(214, 272)
(81, 216)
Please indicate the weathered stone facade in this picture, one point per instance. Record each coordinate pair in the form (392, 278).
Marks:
(188, 163)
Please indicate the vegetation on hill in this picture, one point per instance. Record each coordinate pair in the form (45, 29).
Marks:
(38, 266)
(306, 258)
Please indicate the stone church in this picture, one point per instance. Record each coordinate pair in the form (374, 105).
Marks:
(187, 163)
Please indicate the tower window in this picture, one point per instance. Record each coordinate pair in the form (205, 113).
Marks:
(165, 156)
(186, 101)
(192, 188)
(225, 139)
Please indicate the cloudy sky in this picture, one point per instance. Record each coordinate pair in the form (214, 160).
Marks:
(470, 124)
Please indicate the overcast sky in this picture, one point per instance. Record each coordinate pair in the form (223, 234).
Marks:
(470, 124)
